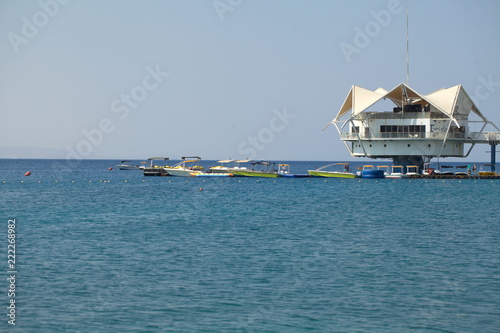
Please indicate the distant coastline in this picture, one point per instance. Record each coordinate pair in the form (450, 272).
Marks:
(39, 153)
(27, 153)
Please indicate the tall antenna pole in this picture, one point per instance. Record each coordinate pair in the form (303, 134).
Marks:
(407, 51)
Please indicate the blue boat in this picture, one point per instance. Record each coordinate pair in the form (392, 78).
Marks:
(370, 172)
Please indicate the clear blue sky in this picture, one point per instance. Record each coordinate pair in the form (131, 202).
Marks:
(226, 78)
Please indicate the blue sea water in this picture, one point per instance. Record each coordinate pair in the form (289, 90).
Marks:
(102, 250)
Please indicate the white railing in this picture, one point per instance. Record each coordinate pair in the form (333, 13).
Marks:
(472, 137)
(485, 136)
(399, 135)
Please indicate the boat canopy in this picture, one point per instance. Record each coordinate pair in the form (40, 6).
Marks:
(225, 161)
(264, 163)
(158, 158)
(452, 102)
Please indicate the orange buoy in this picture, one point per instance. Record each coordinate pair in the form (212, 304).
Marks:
(110, 168)
(28, 173)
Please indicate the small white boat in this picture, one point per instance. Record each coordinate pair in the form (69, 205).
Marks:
(237, 166)
(221, 168)
(396, 172)
(447, 173)
(181, 170)
(285, 171)
(124, 166)
(412, 171)
(462, 173)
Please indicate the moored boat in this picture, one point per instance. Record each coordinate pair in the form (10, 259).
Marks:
(285, 171)
(221, 168)
(237, 165)
(412, 171)
(384, 168)
(488, 174)
(155, 170)
(447, 173)
(461, 173)
(369, 171)
(396, 172)
(124, 166)
(344, 173)
(181, 170)
(264, 169)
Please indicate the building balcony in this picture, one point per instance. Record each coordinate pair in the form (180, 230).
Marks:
(471, 137)
(402, 136)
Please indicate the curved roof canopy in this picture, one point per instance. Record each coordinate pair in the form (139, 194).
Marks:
(451, 102)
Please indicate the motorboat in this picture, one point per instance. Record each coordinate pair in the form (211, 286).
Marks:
(412, 171)
(261, 169)
(237, 165)
(124, 166)
(447, 173)
(343, 173)
(385, 168)
(221, 168)
(369, 171)
(183, 170)
(155, 170)
(462, 174)
(396, 172)
(488, 174)
(285, 171)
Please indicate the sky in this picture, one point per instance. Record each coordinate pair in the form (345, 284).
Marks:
(225, 78)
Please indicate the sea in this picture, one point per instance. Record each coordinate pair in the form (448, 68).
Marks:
(99, 250)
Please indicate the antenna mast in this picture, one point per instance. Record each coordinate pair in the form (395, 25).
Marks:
(407, 51)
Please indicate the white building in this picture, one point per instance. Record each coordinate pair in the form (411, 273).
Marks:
(419, 127)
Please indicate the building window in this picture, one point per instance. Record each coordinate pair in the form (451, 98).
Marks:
(402, 131)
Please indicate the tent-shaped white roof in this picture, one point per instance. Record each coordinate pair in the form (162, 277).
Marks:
(451, 102)
(359, 99)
